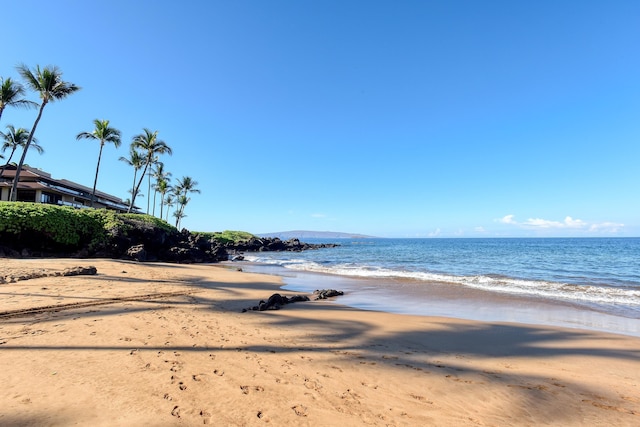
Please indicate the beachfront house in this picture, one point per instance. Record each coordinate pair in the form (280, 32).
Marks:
(37, 186)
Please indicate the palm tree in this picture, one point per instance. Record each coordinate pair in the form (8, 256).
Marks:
(104, 134)
(154, 162)
(169, 202)
(11, 95)
(162, 186)
(136, 160)
(149, 143)
(184, 186)
(50, 86)
(15, 138)
(162, 183)
(179, 214)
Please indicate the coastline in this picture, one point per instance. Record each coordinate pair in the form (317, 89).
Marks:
(450, 300)
(184, 354)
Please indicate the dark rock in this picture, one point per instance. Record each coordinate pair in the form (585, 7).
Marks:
(326, 293)
(275, 302)
(137, 253)
(256, 244)
(80, 271)
(6, 252)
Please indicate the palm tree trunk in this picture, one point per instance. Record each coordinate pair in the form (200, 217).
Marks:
(14, 188)
(155, 193)
(135, 193)
(8, 161)
(133, 186)
(95, 181)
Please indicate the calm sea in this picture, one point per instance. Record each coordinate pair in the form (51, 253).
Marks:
(534, 280)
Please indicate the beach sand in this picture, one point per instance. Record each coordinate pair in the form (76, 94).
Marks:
(165, 344)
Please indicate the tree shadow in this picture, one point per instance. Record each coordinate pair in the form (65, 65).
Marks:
(343, 333)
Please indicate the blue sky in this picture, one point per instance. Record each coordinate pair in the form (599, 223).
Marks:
(387, 118)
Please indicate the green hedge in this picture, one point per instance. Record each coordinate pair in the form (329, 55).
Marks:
(64, 226)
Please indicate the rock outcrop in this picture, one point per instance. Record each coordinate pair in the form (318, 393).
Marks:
(260, 244)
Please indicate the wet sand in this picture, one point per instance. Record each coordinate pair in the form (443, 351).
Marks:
(166, 344)
(405, 296)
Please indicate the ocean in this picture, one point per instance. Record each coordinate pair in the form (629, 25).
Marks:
(591, 283)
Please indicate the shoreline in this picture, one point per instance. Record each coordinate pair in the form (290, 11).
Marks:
(453, 301)
(183, 354)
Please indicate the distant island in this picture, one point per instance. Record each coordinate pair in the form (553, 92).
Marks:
(306, 234)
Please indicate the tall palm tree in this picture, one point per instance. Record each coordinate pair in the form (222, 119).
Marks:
(102, 133)
(179, 213)
(11, 94)
(162, 180)
(136, 160)
(151, 147)
(153, 162)
(184, 186)
(169, 202)
(50, 86)
(15, 138)
(162, 187)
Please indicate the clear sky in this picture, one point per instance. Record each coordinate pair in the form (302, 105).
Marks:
(388, 118)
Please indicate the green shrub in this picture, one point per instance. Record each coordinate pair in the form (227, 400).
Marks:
(227, 236)
(61, 225)
(64, 227)
(150, 220)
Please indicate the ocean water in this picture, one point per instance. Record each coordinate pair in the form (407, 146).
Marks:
(583, 282)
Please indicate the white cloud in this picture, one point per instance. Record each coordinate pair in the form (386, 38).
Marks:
(435, 233)
(568, 223)
(544, 223)
(318, 215)
(606, 227)
(507, 219)
(480, 230)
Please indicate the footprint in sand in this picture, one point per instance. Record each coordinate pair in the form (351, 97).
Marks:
(176, 412)
(245, 388)
(300, 410)
(206, 415)
(421, 398)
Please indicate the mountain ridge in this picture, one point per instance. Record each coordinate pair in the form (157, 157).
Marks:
(309, 234)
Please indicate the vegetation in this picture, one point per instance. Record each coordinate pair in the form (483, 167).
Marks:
(61, 226)
(150, 146)
(41, 230)
(183, 188)
(14, 139)
(102, 133)
(149, 220)
(49, 84)
(227, 236)
(144, 151)
(11, 94)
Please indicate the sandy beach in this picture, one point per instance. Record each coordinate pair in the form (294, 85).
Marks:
(165, 344)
